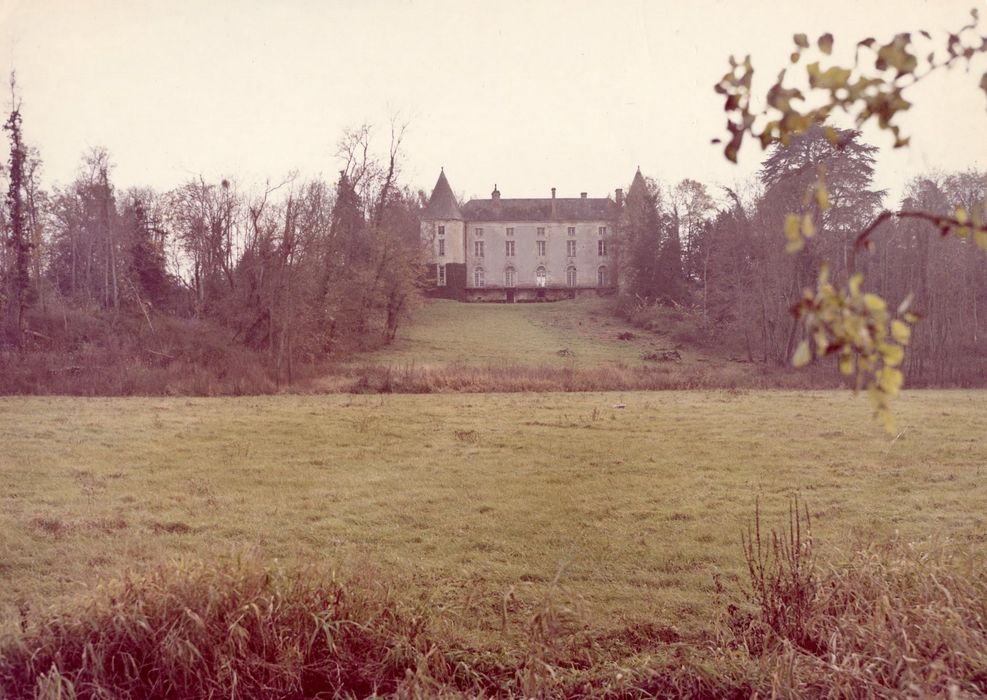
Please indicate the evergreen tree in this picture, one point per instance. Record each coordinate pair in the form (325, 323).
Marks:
(639, 231)
(671, 282)
(18, 238)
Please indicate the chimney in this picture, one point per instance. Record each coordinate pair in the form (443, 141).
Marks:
(495, 194)
(555, 211)
(582, 195)
(553, 193)
(620, 198)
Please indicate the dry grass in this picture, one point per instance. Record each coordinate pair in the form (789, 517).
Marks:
(464, 378)
(245, 631)
(471, 495)
(893, 620)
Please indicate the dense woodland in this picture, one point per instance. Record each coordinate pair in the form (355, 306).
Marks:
(245, 286)
(245, 290)
(721, 255)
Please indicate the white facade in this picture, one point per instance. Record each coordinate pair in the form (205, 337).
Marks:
(563, 253)
(501, 249)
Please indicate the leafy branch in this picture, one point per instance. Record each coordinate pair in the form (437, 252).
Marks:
(845, 321)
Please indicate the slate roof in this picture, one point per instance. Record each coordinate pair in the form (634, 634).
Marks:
(442, 204)
(568, 209)
(638, 185)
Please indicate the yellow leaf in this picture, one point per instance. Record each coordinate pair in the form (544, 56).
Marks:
(900, 331)
(808, 228)
(854, 284)
(874, 303)
(846, 363)
(792, 227)
(961, 215)
(831, 79)
(892, 354)
(803, 355)
(890, 380)
(980, 237)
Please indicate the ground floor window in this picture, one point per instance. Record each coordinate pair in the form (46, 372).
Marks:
(440, 278)
(570, 276)
(540, 276)
(478, 277)
(601, 276)
(510, 279)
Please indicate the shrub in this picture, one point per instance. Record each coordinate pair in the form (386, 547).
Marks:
(196, 631)
(894, 619)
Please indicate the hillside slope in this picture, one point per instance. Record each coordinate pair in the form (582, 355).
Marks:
(580, 333)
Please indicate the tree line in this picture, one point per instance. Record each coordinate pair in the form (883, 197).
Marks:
(301, 270)
(298, 270)
(735, 275)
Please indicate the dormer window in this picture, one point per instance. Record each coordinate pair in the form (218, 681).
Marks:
(541, 231)
(572, 230)
(510, 232)
(442, 230)
(478, 232)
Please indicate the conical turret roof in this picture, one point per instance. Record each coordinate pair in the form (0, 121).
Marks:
(638, 186)
(442, 204)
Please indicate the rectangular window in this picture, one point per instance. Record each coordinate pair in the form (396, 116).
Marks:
(510, 248)
(510, 232)
(541, 248)
(541, 230)
(441, 280)
(570, 248)
(442, 247)
(478, 232)
(572, 230)
(601, 247)
(442, 230)
(478, 248)
(603, 230)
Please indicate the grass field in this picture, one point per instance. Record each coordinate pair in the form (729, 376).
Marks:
(443, 332)
(478, 501)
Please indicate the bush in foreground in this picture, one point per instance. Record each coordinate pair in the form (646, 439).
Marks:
(893, 620)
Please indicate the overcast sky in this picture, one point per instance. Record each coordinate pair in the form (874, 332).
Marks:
(527, 95)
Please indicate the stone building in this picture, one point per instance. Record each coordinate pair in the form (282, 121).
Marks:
(513, 250)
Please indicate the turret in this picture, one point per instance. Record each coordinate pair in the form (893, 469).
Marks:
(443, 232)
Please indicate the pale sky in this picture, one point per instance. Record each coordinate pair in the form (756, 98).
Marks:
(527, 95)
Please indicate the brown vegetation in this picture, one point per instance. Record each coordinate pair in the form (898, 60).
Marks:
(893, 618)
